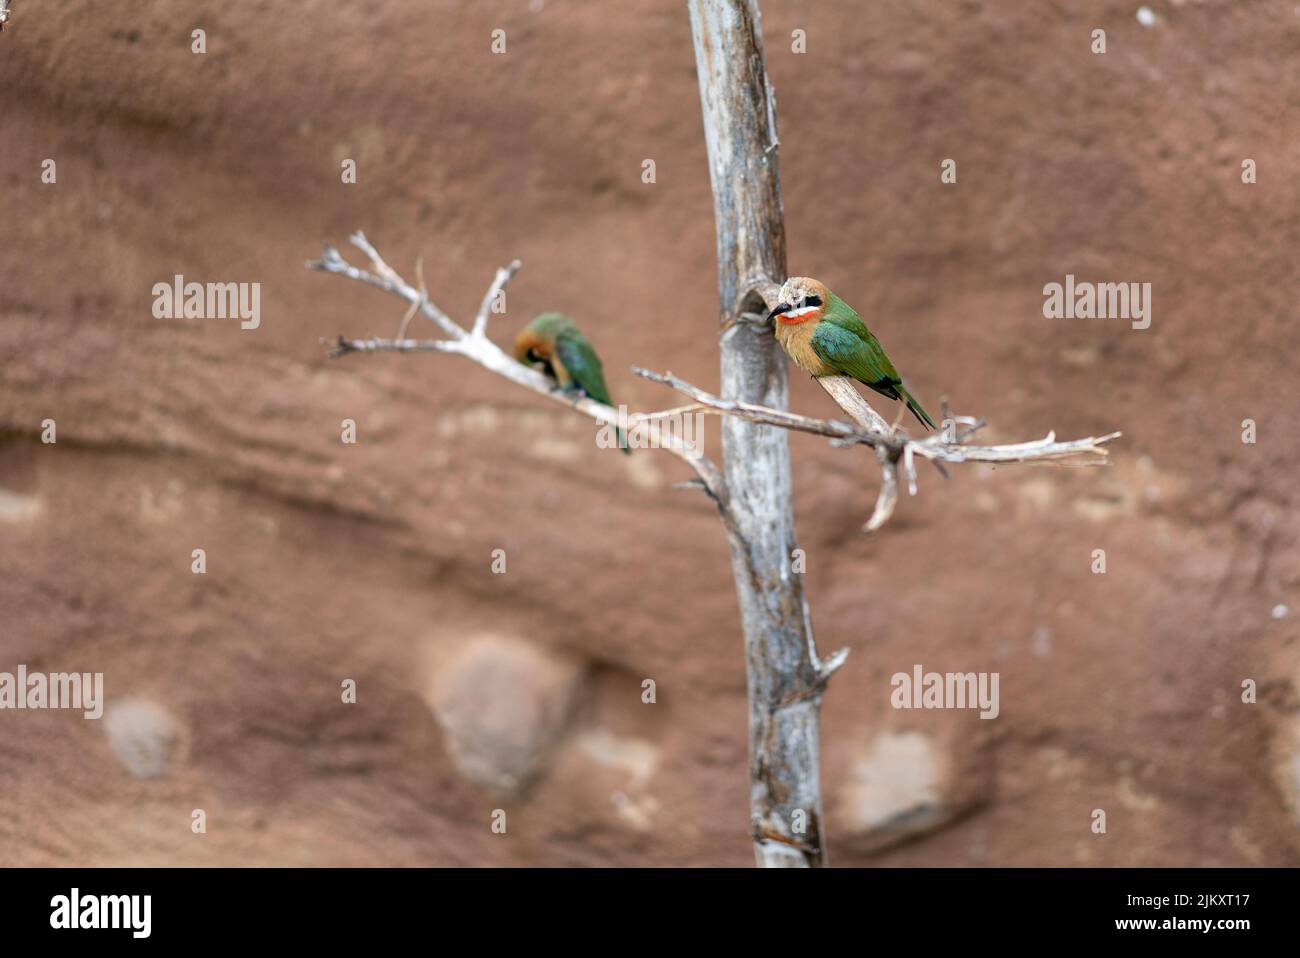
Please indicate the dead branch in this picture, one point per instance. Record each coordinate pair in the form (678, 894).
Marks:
(475, 345)
(893, 446)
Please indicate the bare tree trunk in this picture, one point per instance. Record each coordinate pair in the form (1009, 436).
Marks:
(785, 677)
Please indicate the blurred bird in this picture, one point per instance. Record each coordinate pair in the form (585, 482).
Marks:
(826, 337)
(553, 340)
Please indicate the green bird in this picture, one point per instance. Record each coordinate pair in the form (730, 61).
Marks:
(554, 341)
(825, 336)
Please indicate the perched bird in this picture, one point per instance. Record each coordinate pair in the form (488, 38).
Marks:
(826, 337)
(553, 340)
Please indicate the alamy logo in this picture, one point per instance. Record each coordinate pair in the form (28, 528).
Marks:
(182, 300)
(1071, 300)
(57, 690)
(946, 690)
(675, 429)
(103, 911)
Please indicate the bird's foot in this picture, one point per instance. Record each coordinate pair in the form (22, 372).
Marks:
(575, 394)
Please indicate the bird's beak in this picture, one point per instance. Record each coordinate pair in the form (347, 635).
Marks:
(780, 308)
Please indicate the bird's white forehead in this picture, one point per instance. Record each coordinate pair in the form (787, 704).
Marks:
(793, 290)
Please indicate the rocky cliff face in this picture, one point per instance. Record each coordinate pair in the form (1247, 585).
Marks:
(523, 691)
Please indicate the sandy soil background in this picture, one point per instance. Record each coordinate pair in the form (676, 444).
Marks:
(522, 691)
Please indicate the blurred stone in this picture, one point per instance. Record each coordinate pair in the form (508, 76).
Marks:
(635, 756)
(633, 760)
(502, 704)
(142, 734)
(895, 790)
(16, 507)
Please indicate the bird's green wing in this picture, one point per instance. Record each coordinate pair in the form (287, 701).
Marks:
(580, 359)
(855, 352)
(844, 343)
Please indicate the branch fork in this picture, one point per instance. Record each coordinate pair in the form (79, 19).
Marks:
(894, 449)
(474, 344)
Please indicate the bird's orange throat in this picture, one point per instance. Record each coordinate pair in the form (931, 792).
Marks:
(796, 339)
(796, 316)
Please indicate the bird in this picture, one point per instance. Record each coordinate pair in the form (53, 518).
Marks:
(826, 337)
(554, 341)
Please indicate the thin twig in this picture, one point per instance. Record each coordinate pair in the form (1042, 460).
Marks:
(343, 346)
(504, 276)
(669, 413)
(384, 278)
(417, 306)
(759, 414)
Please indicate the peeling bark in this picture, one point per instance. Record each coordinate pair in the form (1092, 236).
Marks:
(785, 676)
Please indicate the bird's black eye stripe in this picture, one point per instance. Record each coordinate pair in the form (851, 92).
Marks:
(812, 301)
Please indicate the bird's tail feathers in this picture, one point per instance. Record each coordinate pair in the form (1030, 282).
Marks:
(917, 409)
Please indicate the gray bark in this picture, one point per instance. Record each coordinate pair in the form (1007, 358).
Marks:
(785, 677)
